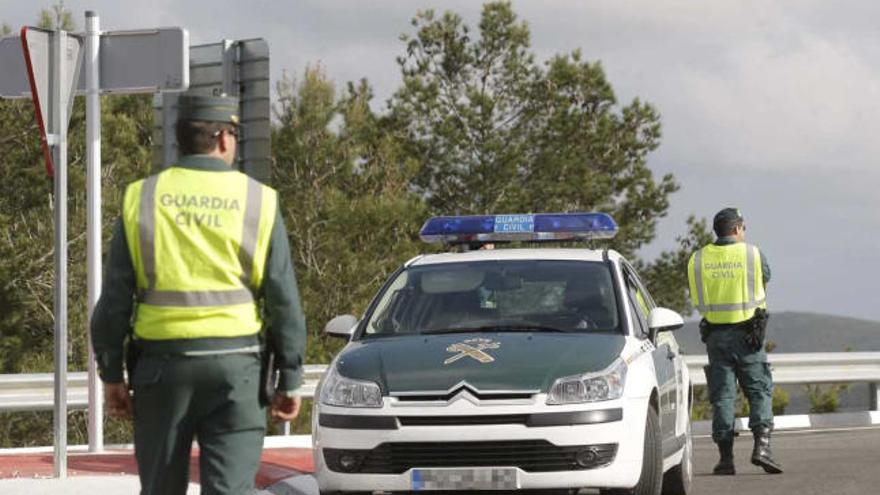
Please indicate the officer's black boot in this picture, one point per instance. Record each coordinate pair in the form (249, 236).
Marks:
(761, 455)
(725, 464)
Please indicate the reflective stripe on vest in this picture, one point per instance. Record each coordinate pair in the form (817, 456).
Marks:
(147, 229)
(742, 305)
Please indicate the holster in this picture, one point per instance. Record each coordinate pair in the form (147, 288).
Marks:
(268, 374)
(758, 329)
(133, 353)
(705, 328)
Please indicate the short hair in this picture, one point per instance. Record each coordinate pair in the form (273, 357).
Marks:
(199, 137)
(726, 227)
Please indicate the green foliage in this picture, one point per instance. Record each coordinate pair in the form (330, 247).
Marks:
(56, 17)
(350, 213)
(824, 400)
(702, 408)
(26, 246)
(35, 429)
(27, 272)
(780, 401)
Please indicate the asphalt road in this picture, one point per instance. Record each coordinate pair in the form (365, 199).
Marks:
(825, 462)
(821, 462)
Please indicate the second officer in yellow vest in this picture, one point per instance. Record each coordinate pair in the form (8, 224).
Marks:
(199, 264)
(727, 282)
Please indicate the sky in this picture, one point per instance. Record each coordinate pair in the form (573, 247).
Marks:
(768, 106)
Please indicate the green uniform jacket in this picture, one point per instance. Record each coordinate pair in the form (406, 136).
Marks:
(112, 318)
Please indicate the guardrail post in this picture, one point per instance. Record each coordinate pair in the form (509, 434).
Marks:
(874, 396)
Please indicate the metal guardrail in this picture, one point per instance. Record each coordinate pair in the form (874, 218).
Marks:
(815, 367)
(34, 392)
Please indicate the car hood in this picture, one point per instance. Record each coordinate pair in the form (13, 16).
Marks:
(507, 361)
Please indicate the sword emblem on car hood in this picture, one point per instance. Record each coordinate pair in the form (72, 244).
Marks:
(473, 348)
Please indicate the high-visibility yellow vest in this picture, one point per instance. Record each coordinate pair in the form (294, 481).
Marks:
(727, 282)
(198, 241)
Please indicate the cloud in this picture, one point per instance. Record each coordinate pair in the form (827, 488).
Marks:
(805, 105)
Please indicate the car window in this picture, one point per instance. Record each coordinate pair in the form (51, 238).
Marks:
(384, 311)
(640, 301)
(569, 296)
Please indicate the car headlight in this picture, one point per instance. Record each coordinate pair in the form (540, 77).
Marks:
(590, 387)
(338, 390)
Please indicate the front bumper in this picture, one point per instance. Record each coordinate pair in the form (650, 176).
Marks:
(626, 434)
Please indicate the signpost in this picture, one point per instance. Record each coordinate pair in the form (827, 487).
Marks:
(44, 65)
(52, 60)
(234, 68)
(93, 219)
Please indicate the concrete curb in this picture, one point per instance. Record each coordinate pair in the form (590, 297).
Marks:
(802, 421)
(295, 485)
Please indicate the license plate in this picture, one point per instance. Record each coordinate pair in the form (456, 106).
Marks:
(465, 479)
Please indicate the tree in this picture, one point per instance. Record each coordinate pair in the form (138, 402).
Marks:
(495, 131)
(56, 17)
(351, 216)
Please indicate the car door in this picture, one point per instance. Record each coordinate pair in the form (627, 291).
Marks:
(664, 355)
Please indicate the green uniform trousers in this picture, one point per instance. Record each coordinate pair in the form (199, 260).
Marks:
(731, 359)
(213, 399)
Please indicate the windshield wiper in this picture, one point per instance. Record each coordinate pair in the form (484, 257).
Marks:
(507, 327)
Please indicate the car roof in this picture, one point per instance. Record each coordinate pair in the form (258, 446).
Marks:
(562, 254)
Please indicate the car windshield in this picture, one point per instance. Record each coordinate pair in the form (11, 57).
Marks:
(497, 296)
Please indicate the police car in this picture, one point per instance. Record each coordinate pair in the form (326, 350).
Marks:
(507, 369)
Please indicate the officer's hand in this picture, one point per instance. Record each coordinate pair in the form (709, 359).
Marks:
(285, 408)
(117, 401)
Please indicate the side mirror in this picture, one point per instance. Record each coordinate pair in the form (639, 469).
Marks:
(341, 326)
(662, 319)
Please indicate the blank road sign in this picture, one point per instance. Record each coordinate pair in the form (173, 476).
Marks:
(13, 71)
(143, 61)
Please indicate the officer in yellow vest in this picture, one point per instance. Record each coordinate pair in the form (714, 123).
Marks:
(198, 265)
(727, 282)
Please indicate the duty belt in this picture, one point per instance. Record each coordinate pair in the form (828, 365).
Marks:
(200, 347)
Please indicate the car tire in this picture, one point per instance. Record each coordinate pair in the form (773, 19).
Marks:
(651, 478)
(678, 480)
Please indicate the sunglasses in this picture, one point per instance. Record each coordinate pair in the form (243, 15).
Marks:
(232, 132)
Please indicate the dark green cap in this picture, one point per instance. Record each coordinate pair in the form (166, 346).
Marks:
(208, 109)
(725, 219)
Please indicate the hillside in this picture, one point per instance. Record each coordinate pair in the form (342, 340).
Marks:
(803, 332)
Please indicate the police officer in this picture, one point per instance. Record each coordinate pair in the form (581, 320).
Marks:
(727, 281)
(198, 264)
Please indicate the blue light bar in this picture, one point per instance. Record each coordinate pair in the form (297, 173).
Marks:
(529, 227)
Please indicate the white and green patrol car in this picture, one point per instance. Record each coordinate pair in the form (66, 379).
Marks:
(507, 369)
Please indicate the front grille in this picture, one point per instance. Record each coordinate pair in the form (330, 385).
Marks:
(506, 419)
(447, 397)
(528, 455)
